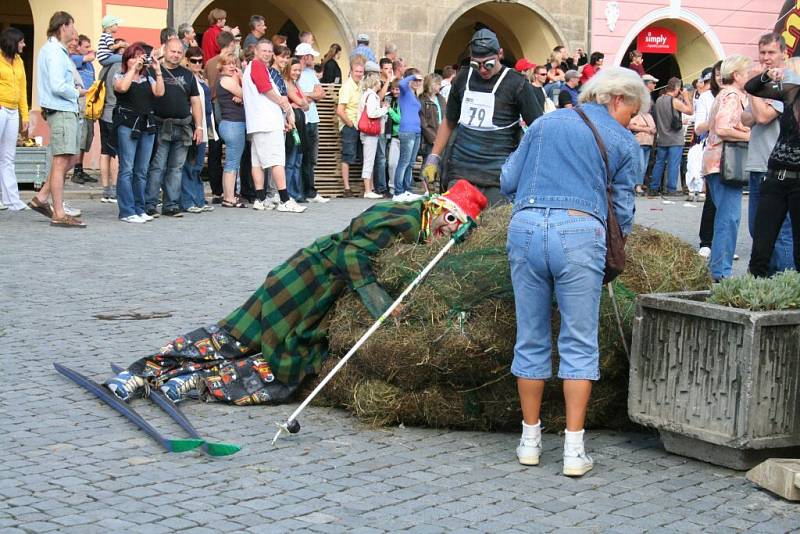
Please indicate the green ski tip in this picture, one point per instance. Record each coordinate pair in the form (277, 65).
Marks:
(183, 445)
(222, 449)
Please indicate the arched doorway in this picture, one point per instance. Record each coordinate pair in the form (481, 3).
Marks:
(697, 48)
(521, 29)
(286, 17)
(20, 16)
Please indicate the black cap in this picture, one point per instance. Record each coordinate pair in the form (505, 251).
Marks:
(707, 73)
(484, 43)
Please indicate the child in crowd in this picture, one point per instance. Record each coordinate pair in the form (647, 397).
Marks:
(107, 47)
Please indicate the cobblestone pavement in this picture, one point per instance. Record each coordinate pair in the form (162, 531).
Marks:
(71, 464)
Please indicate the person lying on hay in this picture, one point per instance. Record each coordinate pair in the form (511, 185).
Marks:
(261, 352)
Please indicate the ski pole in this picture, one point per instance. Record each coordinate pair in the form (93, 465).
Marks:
(292, 425)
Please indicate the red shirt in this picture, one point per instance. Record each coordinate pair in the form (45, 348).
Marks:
(260, 76)
(210, 46)
(637, 67)
(587, 73)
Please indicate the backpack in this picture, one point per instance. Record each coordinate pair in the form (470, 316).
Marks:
(96, 96)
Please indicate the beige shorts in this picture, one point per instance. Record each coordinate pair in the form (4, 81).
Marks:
(87, 135)
(267, 149)
(65, 133)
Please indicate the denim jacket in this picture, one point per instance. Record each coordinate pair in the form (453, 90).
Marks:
(55, 84)
(558, 165)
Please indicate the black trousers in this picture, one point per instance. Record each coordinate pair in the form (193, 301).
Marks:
(707, 220)
(215, 166)
(310, 147)
(246, 188)
(777, 197)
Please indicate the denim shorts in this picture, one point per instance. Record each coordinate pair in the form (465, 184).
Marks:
(233, 135)
(350, 142)
(561, 253)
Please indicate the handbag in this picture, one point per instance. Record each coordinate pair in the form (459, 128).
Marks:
(615, 241)
(732, 164)
(368, 125)
(676, 122)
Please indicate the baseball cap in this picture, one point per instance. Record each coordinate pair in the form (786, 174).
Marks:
(371, 66)
(523, 64)
(110, 20)
(649, 78)
(362, 38)
(571, 75)
(708, 72)
(305, 49)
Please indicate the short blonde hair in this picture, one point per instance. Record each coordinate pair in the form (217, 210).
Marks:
(616, 81)
(215, 15)
(733, 64)
(371, 80)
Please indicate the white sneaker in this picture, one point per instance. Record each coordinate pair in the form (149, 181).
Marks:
(146, 218)
(412, 196)
(402, 197)
(735, 257)
(290, 206)
(135, 219)
(69, 210)
(529, 450)
(704, 252)
(104, 199)
(3, 206)
(194, 209)
(260, 205)
(275, 199)
(319, 199)
(577, 463)
(208, 207)
(372, 194)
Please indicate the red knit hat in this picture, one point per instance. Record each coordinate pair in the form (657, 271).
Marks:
(463, 199)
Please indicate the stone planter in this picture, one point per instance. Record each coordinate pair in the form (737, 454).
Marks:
(719, 384)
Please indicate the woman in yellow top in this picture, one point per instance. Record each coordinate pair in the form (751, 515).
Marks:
(13, 107)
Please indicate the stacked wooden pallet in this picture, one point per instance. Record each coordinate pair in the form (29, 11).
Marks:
(328, 174)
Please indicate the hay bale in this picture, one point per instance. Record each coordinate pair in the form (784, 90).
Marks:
(445, 362)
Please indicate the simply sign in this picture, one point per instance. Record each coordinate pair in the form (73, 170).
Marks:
(657, 41)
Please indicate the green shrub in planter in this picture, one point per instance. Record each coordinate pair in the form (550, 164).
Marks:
(780, 292)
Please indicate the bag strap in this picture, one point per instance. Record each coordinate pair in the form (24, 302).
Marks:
(600, 144)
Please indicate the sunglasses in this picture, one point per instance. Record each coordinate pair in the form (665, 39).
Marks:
(488, 64)
(196, 60)
(450, 218)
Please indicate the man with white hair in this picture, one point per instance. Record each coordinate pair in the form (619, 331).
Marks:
(268, 115)
(187, 35)
(313, 91)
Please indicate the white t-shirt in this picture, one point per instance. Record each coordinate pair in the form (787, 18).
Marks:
(702, 107)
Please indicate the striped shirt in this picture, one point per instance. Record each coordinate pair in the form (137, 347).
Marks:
(104, 46)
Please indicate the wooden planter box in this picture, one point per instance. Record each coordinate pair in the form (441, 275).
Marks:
(31, 165)
(720, 384)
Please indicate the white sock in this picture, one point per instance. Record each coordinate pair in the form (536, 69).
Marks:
(532, 432)
(573, 441)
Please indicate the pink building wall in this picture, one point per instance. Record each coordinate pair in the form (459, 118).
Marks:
(730, 29)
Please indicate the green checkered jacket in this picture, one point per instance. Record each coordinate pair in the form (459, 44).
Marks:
(286, 319)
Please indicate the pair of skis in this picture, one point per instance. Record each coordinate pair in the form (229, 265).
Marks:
(170, 445)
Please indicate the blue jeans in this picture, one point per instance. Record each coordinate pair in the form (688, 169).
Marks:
(671, 157)
(728, 201)
(409, 146)
(645, 160)
(192, 190)
(134, 157)
(294, 175)
(165, 171)
(234, 135)
(783, 253)
(379, 171)
(562, 252)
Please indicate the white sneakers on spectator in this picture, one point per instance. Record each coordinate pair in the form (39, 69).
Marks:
(69, 210)
(207, 207)
(576, 462)
(3, 206)
(704, 252)
(319, 199)
(146, 218)
(195, 209)
(134, 219)
(372, 194)
(530, 445)
(261, 205)
(290, 206)
(408, 196)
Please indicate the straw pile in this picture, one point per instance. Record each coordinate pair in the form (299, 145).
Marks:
(445, 362)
